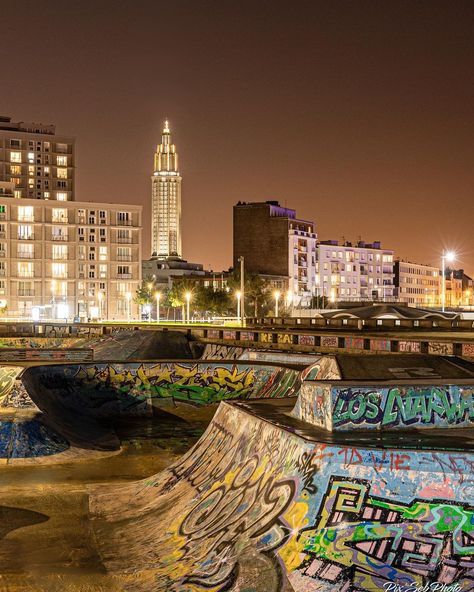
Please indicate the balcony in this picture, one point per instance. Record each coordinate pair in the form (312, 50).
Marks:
(124, 222)
(124, 276)
(26, 236)
(26, 274)
(25, 255)
(124, 257)
(60, 237)
(59, 220)
(26, 219)
(124, 240)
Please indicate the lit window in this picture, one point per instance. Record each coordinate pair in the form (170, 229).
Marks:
(59, 215)
(59, 251)
(61, 196)
(15, 169)
(17, 193)
(61, 160)
(46, 195)
(59, 270)
(25, 269)
(26, 214)
(31, 157)
(103, 253)
(25, 232)
(62, 173)
(15, 156)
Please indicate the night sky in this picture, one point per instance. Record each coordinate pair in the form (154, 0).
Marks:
(357, 114)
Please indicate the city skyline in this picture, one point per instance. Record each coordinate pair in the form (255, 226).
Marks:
(307, 113)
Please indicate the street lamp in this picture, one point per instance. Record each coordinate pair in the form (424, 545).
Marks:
(157, 298)
(188, 300)
(446, 256)
(100, 296)
(289, 301)
(128, 296)
(241, 260)
(276, 293)
(53, 301)
(238, 295)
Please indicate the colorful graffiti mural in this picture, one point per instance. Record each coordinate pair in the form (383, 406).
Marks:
(255, 507)
(440, 348)
(125, 386)
(413, 347)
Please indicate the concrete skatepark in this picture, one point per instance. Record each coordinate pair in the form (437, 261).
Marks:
(349, 473)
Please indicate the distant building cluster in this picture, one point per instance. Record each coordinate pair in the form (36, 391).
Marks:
(62, 258)
(286, 251)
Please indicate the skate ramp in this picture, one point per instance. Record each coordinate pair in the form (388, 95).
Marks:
(266, 503)
(146, 345)
(8, 377)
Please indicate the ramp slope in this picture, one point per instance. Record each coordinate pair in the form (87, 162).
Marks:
(254, 506)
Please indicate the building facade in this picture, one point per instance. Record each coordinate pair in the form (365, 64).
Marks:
(276, 244)
(459, 289)
(354, 272)
(166, 200)
(40, 163)
(68, 259)
(417, 285)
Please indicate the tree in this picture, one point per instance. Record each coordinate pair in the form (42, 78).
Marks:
(257, 291)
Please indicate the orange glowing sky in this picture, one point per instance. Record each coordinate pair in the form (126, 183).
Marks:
(357, 114)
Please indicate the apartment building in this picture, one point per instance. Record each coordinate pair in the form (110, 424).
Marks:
(354, 272)
(276, 245)
(40, 163)
(417, 285)
(68, 259)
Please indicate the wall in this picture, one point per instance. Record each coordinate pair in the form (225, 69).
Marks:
(253, 507)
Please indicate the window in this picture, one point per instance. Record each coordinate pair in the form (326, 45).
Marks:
(102, 271)
(60, 251)
(123, 270)
(31, 157)
(25, 251)
(25, 232)
(25, 269)
(15, 156)
(62, 173)
(59, 215)
(103, 253)
(46, 195)
(15, 143)
(103, 235)
(17, 194)
(123, 218)
(15, 169)
(124, 254)
(59, 233)
(61, 161)
(59, 270)
(61, 196)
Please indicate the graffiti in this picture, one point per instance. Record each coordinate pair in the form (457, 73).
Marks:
(215, 351)
(308, 467)
(380, 344)
(468, 350)
(71, 355)
(398, 407)
(440, 349)
(306, 340)
(329, 341)
(354, 342)
(314, 405)
(230, 335)
(265, 337)
(324, 368)
(412, 347)
(285, 338)
(247, 336)
(213, 334)
(8, 376)
(43, 342)
(365, 541)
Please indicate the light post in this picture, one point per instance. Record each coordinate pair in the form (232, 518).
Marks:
(242, 290)
(157, 298)
(53, 301)
(100, 296)
(238, 295)
(277, 298)
(128, 296)
(446, 256)
(188, 300)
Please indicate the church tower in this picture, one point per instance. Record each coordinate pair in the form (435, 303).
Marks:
(166, 200)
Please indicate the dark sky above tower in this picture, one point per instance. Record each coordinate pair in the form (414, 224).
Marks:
(358, 114)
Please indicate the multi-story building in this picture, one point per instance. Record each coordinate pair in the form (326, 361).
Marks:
(276, 245)
(459, 288)
(68, 259)
(36, 160)
(417, 285)
(354, 272)
(166, 200)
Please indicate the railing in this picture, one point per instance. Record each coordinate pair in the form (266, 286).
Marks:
(25, 255)
(26, 292)
(26, 236)
(124, 257)
(60, 237)
(124, 222)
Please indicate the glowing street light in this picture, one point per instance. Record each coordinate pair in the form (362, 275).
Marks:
(238, 295)
(188, 300)
(157, 298)
(448, 256)
(128, 296)
(276, 294)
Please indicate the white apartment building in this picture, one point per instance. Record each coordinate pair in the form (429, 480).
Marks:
(302, 261)
(39, 163)
(359, 272)
(416, 284)
(68, 259)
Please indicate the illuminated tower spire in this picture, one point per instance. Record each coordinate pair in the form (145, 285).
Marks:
(166, 199)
